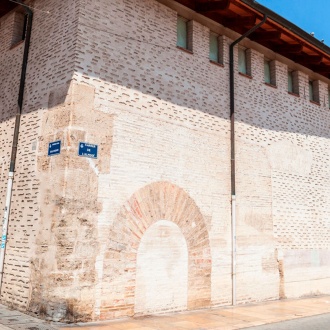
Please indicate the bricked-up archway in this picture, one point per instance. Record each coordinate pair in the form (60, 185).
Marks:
(161, 268)
(157, 201)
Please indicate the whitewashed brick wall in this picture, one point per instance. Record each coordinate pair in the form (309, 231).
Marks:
(110, 73)
(50, 66)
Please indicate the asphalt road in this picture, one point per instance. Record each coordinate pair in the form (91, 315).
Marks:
(320, 322)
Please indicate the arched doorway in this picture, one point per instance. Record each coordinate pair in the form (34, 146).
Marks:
(160, 207)
(161, 270)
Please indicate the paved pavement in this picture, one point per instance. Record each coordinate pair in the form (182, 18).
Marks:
(11, 319)
(320, 322)
(299, 311)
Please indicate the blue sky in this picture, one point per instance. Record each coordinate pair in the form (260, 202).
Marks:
(309, 15)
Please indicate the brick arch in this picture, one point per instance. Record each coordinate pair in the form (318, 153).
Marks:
(154, 202)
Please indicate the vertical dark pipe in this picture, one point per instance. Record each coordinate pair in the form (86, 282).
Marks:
(21, 89)
(232, 157)
(15, 143)
(232, 99)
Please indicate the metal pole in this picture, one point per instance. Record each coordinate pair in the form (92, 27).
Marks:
(232, 158)
(5, 221)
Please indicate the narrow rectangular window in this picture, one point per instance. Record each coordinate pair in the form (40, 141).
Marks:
(293, 82)
(290, 81)
(267, 72)
(314, 91)
(214, 47)
(311, 90)
(242, 62)
(182, 32)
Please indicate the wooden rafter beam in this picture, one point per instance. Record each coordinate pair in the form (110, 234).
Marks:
(209, 6)
(6, 7)
(266, 36)
(307, 60)
(287, 48)
(322, 68)
(241, 21)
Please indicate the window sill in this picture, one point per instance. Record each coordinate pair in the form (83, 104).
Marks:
(293, 94)
(270, 85)
(217, 63)
(16, 44)
(315, 102)
(245, 75)
(185, 50)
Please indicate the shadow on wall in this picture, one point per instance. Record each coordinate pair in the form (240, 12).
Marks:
(145, 72)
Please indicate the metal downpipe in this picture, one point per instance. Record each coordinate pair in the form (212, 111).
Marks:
(5, 221)
(232, 151)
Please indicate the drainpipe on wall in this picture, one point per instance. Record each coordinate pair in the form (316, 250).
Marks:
(232, 143)
(5, 221)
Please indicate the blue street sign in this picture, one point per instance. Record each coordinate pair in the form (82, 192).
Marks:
(54, 148)
(87, 150)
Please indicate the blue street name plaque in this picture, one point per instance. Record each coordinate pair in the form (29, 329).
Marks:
(54, 148)
(87, 150)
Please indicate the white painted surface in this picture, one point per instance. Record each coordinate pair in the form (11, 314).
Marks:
(162, 270)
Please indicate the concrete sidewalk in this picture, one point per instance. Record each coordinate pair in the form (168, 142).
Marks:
(11, 319)
(226, 318)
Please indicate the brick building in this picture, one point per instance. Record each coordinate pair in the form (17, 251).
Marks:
(151, 224)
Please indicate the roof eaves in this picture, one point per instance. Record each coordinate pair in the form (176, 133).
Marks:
(288, 25)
